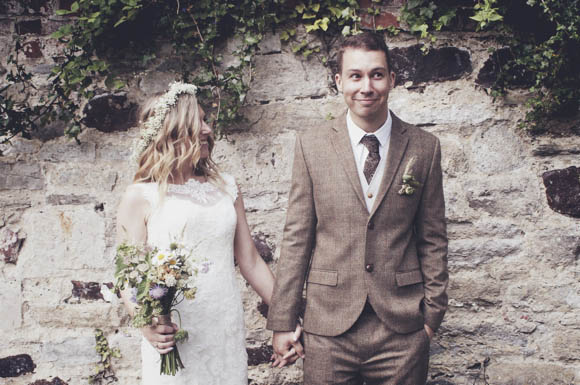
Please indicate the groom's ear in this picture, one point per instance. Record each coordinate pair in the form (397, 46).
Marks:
(338, 81)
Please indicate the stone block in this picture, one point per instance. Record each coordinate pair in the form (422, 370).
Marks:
(453, 158)
(384, 19)
(110, 112)
(73, 351)
(270, 44)
(21, 176)
(286, 76)
(470, 253)
(509, 194)
(80, 180)
(19, 146)
(32, 49)
(563, 190)
(10, 298)
(72, 316)
(453, 104)
(54, 381)
(15, 366)
(115, 152)
(496, 149)
(263, 309)
(67, 150)
(40, 7)
(46, 291)
(86, 290)
(519, 76)
(156, 81)
(440, 64)
(10, 244)
(61, 240)
(263, 246)
(259, 355)
(72, 199)
(512, 371)
(477, 288)
(26, 27)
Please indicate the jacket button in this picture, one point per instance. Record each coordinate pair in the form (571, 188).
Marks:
(371, 226)
(369, 267)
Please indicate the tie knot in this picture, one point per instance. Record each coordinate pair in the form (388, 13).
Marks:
(371, 143)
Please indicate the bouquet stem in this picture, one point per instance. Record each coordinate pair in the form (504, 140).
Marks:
(170, 362)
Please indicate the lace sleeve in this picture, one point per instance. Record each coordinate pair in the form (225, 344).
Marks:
(231, 187)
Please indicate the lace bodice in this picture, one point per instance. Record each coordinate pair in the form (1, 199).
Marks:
(202, 216)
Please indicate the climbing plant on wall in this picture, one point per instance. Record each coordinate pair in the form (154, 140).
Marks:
(107, 39)
(107, 36)
(542, 38)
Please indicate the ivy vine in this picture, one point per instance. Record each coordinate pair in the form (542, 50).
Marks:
(107, 40)
(543, 40)
(104, 373)
(106, 37)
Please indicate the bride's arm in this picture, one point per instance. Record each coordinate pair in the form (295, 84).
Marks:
(132, 229)
(252, 266)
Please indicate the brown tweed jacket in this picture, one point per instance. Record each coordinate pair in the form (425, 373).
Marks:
(396, 256)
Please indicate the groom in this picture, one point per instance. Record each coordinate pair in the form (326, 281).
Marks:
(366, 231)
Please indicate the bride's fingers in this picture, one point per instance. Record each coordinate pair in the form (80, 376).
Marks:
(289, 354)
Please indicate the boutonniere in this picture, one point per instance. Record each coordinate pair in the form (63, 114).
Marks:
(409, 181)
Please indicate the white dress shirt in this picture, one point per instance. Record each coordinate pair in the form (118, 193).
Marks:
(383, 134)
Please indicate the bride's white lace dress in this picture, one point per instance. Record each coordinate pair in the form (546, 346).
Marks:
(203, 217)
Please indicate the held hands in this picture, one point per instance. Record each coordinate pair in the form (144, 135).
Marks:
(160, 336)
(287, 347)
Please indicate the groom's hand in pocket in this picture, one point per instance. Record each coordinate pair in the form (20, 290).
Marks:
(287, 347)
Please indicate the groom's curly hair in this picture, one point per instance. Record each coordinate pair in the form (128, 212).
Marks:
(369, 41)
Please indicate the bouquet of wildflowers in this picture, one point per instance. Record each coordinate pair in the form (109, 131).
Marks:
(160, 279)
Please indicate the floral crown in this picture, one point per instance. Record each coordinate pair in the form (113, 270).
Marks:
(160, 109)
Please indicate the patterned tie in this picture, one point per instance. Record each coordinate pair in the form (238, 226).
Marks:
(372, 144)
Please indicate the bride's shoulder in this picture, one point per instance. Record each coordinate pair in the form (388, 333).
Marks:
(230, 184)
(139, 194)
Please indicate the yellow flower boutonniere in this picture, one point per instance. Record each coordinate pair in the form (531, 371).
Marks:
(409, 182)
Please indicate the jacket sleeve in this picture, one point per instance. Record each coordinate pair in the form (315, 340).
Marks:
(296, 249)
(430, 227)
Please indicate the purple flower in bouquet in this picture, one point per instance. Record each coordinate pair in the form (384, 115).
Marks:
(133, 298)
(157, 292)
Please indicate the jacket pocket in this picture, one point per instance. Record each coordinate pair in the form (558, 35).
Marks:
(323, 277)
(406, 278)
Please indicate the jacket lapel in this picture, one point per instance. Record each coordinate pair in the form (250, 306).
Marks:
(341, 142)
(397, 147)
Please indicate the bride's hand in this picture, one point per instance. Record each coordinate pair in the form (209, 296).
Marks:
(160, 336)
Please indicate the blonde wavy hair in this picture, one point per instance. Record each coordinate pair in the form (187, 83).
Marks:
(176, 145)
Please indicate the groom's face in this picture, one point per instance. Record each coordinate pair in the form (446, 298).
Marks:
(365, 81)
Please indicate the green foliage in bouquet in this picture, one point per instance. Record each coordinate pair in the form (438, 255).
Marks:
(159, 280)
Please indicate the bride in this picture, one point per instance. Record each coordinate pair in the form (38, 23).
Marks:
(178, 194)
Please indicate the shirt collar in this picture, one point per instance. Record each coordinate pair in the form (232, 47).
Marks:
(356, 133)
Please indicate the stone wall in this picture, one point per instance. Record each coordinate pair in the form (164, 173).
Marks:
(512, 209)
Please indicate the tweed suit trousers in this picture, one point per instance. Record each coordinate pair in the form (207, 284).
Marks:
(368, 353)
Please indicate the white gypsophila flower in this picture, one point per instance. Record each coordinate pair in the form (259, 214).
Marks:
(170, 280)
(160, 110)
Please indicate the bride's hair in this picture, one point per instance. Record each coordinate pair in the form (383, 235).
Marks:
(176, 145)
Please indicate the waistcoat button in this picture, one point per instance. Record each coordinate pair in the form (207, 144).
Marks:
(369, 267)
